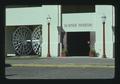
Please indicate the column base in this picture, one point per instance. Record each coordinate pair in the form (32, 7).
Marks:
(59, 49)
(104, 56)
(48, 55)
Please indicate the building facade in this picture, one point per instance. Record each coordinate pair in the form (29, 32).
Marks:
(75, 32)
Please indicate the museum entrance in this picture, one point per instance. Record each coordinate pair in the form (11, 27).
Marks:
(78, 43)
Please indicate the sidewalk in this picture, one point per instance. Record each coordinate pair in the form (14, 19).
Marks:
(60, 62)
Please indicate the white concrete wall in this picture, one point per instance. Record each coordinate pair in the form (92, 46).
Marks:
(37, 15)
(100, 11)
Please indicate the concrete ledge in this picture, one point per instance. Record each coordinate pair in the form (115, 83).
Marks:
(62, 65)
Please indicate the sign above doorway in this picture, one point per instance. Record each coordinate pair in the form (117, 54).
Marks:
(78, 25)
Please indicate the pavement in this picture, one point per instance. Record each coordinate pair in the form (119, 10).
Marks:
(36, 61)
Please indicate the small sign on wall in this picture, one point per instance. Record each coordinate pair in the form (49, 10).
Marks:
(78, 25)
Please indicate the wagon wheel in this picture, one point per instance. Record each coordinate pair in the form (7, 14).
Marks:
(37, 40)
(22, 40)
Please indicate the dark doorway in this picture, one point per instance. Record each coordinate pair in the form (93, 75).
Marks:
(78, 43)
